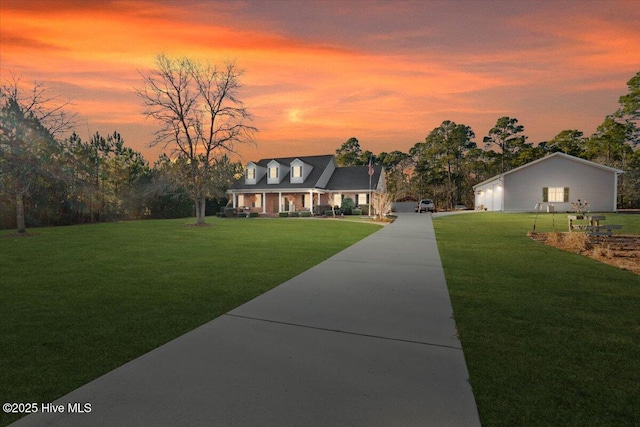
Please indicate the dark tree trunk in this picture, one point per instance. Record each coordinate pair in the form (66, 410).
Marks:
(20, 214)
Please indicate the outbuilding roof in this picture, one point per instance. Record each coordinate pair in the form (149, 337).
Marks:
(558, 154)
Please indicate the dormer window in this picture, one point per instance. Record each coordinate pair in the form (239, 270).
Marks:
(299, 171)
(275, 172)
(253, 173)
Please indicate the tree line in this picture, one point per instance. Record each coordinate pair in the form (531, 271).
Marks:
(450, 161)
(49, 179)
(53, 182)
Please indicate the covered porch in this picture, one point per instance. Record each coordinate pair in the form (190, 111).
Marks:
(274, 202)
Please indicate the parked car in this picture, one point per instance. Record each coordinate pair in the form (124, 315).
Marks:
(426, 205)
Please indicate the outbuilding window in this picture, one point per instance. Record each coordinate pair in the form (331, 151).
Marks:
(555, 194)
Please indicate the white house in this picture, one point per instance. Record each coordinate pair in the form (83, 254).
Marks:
(304, 183)
(552, 182)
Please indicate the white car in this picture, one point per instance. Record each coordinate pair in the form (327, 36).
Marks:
(426, 205)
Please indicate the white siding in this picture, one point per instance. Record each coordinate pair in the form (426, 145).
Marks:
(382, 183)
(305, 171)
(282, 170)
(523, 188)
(259, 172)
(489, 196)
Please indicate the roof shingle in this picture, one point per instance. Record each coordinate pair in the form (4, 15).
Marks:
(350, 178)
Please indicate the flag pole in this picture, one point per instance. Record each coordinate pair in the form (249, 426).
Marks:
(370, 175)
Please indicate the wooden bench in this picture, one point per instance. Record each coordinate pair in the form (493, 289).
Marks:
(581, 227)
(572, 218)
(601, 230)
(594, 228)
(595, 219)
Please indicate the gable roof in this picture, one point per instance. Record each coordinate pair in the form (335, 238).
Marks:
(352, 178)
(558, 154)
(315, 161)
(319, 163)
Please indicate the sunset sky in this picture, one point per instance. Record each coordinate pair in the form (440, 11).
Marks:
(320, 72)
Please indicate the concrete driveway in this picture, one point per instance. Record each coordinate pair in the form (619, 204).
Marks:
(366, 338)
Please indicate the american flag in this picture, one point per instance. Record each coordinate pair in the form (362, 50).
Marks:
(370, 166)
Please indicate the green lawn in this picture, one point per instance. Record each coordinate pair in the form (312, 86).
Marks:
(550, 338)
(77, 302)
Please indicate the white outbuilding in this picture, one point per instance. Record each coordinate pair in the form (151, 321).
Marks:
(553, 182)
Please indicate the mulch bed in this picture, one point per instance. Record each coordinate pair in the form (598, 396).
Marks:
(619, 250)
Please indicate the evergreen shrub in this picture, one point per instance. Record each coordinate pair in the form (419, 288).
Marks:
(347, 205)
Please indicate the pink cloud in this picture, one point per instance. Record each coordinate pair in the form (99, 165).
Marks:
(318, 73)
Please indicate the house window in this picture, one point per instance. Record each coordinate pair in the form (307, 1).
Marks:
(362, 199)
(258, 201)
(296, 172)
(251, 173)
(555, 194)
(273, 172)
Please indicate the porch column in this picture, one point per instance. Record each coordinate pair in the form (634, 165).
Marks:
(264, 203)
(235, 202)
(279, 201)
(311, 199)
(615, 192)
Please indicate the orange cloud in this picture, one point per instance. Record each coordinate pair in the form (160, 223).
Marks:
(314, 81)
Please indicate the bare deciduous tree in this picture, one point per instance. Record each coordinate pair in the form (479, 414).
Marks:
(49, 110)
(201, 118)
